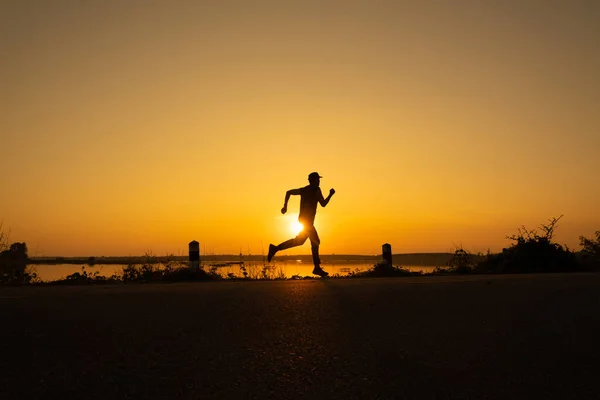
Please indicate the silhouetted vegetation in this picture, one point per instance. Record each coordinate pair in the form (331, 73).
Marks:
(590, 253)
(462, 262)
(163, 269)
(147, 273)
(531, 252)
(13, 262)
(84, 277)
(384, 270)
(3, 239)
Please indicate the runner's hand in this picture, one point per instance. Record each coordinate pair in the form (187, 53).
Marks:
(284, 210)
(331, 192)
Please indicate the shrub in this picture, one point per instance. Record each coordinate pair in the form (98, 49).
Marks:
(462, 262)
(84, 277)
(185, 274)
(590, 253)
(168, 272)
(531, 252)
(383, 270)
(13, 264)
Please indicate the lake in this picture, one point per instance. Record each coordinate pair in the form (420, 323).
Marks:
(254, 269)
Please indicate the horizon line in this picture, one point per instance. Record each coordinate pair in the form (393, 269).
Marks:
(243, 255)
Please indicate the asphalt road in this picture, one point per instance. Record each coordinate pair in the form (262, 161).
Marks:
(501, 337)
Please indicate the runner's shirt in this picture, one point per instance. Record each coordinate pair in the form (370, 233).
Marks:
(309, 197)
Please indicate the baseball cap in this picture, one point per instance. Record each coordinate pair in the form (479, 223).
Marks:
(313, 175)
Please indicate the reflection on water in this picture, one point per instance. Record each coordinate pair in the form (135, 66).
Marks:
(254, 270)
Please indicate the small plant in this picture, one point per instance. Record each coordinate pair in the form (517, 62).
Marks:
(266, 271)
(525, 235)
(3, 239)
(130, 273)
(591, 247)
(462, 262)
(590, 251)
(383, 270)
(30, 276)
(84, 278)
(280, 275)
(183, 273)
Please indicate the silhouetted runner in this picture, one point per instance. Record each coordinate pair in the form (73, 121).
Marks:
(309, 197)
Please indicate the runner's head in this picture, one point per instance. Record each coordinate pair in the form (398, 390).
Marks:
(314, 178)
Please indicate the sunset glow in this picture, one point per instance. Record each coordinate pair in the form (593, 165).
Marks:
(296, 228)
(133, 126)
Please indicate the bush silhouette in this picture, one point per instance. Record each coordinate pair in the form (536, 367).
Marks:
(13, 263)
(462, 262)
(531, 252)
(590, 253)
(384, 270)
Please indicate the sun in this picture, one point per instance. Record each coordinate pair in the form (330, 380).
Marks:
(296, 227)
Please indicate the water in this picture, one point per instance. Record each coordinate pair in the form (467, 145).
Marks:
(286, 269)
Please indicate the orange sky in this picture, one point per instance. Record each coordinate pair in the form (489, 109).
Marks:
(135, 126)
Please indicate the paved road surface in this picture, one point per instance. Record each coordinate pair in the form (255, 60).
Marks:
(507, 337)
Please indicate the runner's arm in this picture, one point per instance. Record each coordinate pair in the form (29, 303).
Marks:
(291, 192)
(323, 202)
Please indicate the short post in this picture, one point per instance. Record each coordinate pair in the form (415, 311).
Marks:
(387, 253)
(194, 255)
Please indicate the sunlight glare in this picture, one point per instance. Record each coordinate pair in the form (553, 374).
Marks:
(296, 227)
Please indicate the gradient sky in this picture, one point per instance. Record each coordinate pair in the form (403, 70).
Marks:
(136, 126)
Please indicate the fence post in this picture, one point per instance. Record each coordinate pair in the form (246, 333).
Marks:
(387, 253)
(194, 255)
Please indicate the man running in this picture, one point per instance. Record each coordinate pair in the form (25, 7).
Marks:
(309, 197)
